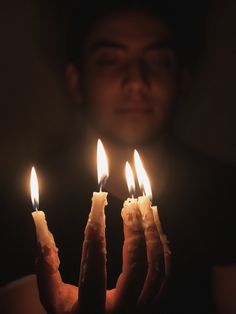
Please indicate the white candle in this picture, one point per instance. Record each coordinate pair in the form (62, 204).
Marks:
(99, 199)
(130, 212)
(150, 213)
(129, 284)
(92, 281)
(155, 246)
(164, 240)
(44, 236)
(144, 202)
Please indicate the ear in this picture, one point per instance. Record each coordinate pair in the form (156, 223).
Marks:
(73, 82)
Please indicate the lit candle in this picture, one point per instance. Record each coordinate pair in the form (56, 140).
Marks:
(44, 236)
(130, 282)
(99, 200)
(144, 201)
(165, 242)
(145, 205)
(155, 249)
(92, 281)
(130, 212)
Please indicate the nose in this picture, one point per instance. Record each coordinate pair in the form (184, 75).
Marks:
(135, 77)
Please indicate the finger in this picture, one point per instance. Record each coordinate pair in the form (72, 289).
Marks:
(155, 257)
(92, 282)
(55, 296)
(130, 282)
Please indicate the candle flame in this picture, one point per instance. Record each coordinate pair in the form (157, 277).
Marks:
(102, 164)
(34, 189)
(143, 179)
(129, 178)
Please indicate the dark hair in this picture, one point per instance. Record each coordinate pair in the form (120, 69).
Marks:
(186, 24)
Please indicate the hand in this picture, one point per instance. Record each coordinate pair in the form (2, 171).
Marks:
(146, 262)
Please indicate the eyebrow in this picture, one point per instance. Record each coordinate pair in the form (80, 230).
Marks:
(110, 44)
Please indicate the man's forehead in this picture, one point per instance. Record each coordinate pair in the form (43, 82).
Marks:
(129, 27)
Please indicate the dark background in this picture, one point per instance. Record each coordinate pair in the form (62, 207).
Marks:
(36, 111)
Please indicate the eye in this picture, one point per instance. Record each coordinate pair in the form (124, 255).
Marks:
(160, 60)
(108, 59)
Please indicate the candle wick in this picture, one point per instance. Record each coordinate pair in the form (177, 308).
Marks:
(35, 206)
(100, 190)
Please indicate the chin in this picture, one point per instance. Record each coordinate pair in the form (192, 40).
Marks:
(131, 134)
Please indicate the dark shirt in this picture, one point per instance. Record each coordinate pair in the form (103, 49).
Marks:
(195, 208)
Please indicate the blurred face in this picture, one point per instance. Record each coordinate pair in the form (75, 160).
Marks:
(129, 77)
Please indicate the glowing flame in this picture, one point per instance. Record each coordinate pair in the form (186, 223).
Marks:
(34, 189)
(102, 164)
(129, 178)
(143, 179)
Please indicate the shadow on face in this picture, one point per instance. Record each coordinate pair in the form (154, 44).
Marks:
(129, 80)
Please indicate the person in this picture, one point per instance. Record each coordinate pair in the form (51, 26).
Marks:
(127, 74)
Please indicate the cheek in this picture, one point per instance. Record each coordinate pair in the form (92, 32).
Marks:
(99, 99)
(165, 90)
(100, 90)
(164, 97)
